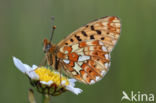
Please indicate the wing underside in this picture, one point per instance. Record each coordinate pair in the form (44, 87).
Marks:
(86, 51)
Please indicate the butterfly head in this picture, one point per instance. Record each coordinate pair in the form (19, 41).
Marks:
(48, 47)
(49, 50)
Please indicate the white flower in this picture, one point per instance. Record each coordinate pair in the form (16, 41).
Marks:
(46, 77)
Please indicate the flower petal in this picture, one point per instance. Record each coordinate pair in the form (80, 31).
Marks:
(72, 82)
(47, 83)
(33, 75)
(63, 82)
(28, 68)
(30, 72)
(34, 66)
(74, 90)
(19, 65)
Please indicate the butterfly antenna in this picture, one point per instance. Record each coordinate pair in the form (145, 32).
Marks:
(53, 28)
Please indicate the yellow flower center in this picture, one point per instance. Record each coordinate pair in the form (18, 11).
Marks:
(47, 75)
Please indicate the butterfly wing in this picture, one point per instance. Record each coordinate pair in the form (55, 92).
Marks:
(85, 53)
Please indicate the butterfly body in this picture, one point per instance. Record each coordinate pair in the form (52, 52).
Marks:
(85, 53)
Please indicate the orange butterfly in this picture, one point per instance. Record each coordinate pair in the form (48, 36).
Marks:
(85, 53)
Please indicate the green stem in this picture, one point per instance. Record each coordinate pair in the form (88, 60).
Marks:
(31, 96)
(45, 98)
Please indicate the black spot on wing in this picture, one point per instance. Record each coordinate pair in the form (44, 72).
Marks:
(92, 37)
(98, 31)
(102, 38)
(107, 32)
(71, 40)
(92, 27)
(84, 33)
(86, 26)
(78, 38)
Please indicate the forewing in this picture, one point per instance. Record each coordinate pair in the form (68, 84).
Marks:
(106, 29)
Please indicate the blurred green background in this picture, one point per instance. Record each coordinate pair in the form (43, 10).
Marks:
(25, 23)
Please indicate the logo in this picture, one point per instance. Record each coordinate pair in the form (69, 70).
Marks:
(137, 96)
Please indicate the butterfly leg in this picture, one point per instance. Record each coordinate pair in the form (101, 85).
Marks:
(60, 77)
(44, 61)
(60, 71)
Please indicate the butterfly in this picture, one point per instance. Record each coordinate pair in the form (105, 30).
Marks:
(85, 53)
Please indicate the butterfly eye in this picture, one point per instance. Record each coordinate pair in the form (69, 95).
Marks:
(47, 48)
